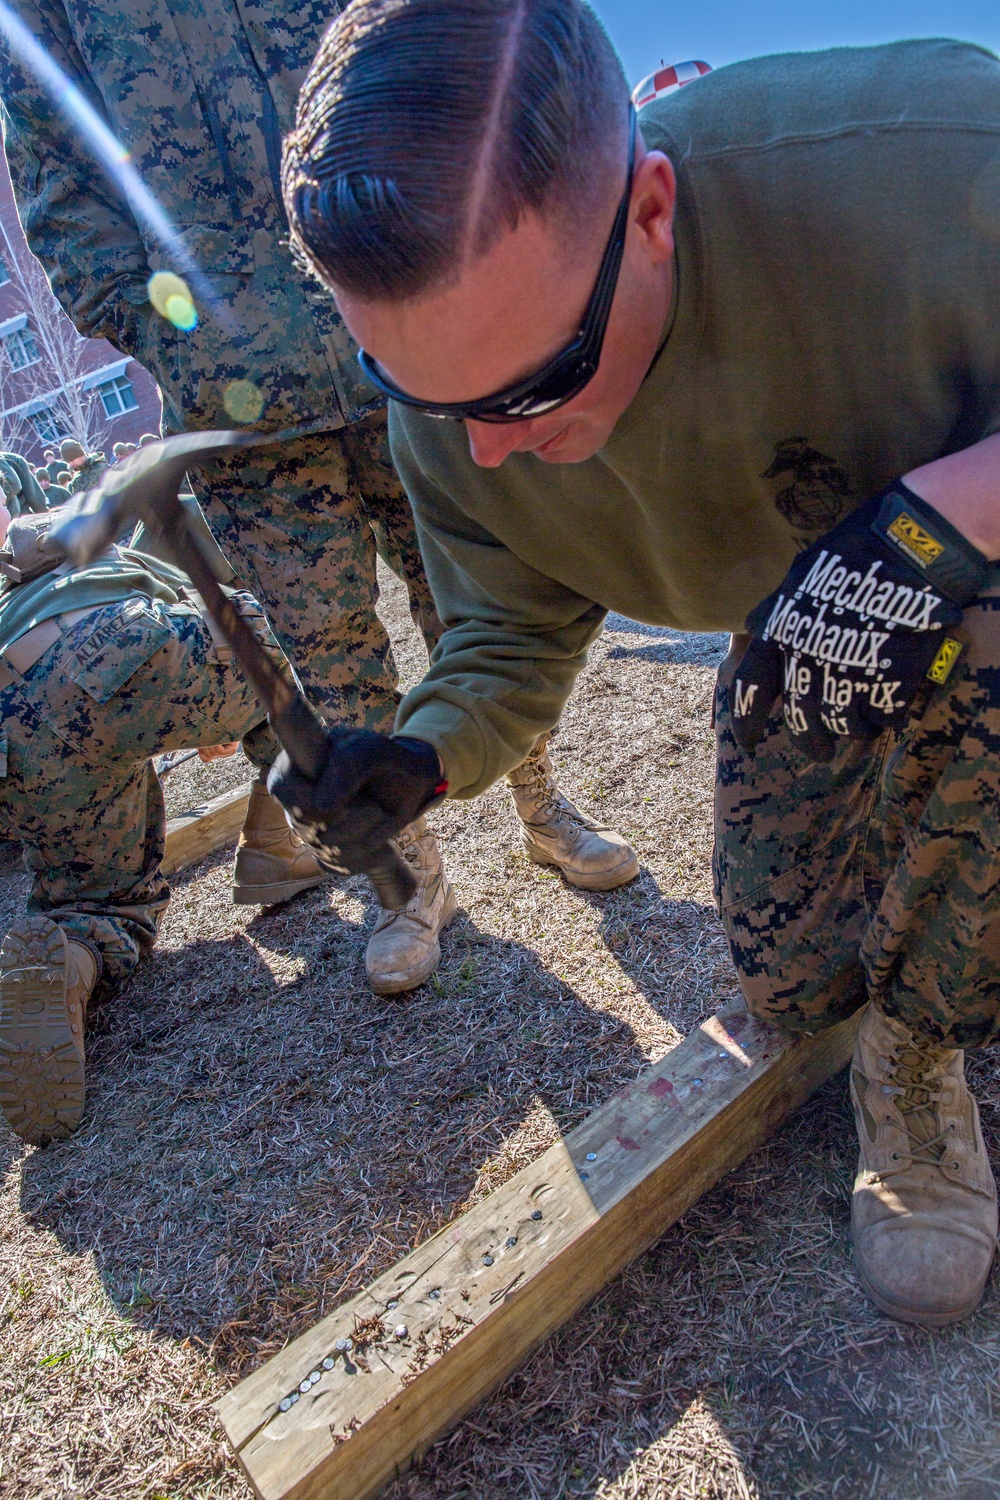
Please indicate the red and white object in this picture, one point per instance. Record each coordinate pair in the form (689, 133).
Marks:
(666, 80)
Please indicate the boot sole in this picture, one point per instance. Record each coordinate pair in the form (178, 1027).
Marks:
(393, 985)
(273, 895)
(42, 1085)
(904, 1313)
(600, 880)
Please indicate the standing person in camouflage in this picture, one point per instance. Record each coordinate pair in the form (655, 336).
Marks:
(85, 467)
(102, 668)
(202, 91)
(734, 364)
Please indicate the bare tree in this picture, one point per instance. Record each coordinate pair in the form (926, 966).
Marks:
(55, 378)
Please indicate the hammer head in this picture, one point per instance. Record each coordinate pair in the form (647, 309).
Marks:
(142, 487)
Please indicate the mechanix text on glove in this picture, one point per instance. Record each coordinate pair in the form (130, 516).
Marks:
(860, 622)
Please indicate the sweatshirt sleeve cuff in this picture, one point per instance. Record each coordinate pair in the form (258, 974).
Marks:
(457, 739)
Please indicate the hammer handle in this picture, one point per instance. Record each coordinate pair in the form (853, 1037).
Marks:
(295, 722)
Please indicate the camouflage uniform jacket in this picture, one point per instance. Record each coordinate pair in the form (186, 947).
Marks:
(89, 472)
(200, 93)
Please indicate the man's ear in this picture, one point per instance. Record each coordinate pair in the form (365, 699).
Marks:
(654, 194)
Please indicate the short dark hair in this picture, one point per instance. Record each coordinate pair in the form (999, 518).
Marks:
(427, 128)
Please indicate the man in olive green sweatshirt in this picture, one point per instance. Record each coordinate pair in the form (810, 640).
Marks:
(735, 367)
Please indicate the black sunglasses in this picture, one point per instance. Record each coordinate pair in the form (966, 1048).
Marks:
(566, 374)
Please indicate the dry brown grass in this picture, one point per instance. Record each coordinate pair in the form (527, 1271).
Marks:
(262, 1136)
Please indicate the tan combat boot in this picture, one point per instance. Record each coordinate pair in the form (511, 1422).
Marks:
(272, 862)
(404, 949)
(554, 832)
(924, 1215)
(46, 980)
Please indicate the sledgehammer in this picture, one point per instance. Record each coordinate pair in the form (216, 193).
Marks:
(146, 486)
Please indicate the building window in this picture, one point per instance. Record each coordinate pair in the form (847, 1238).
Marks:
(47, 425)
(21, 348)
(4, 273)
(117, 395)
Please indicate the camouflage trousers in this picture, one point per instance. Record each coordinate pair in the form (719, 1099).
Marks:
(301, 523)
(875, 876)
(79, 790)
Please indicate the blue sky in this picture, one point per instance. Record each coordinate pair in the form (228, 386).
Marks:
(720, 31)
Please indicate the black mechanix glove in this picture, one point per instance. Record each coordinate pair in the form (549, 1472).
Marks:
(860, 622)
(372, 786)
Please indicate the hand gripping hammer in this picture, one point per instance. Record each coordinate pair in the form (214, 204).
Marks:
(146, 486)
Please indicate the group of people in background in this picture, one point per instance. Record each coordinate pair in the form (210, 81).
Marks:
(781, 383)
(61, 474)
(95, 684)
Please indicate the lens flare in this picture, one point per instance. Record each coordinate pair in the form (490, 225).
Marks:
(110, 152)
(243, 400)
(170, 296)
(181, 312)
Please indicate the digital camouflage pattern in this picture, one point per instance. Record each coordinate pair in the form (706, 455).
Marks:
(876, 875)
(88, 474)
(301, 523)
(200, 91)
(78, 787)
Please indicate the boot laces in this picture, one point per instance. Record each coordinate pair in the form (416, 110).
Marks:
(407, 846)
(540, 786)
(913, 1078)
(543, 790)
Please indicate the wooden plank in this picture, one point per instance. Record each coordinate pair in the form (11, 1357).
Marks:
(204, 829)
(477, 1297)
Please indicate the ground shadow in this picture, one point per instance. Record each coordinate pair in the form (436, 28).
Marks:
(739, 1357)
(672, 949)
(631, 640)
(264, 1136)
(258, 1141)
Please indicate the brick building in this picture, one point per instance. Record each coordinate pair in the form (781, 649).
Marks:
(53, 382)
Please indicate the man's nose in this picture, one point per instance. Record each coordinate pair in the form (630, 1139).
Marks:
(490, 442)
